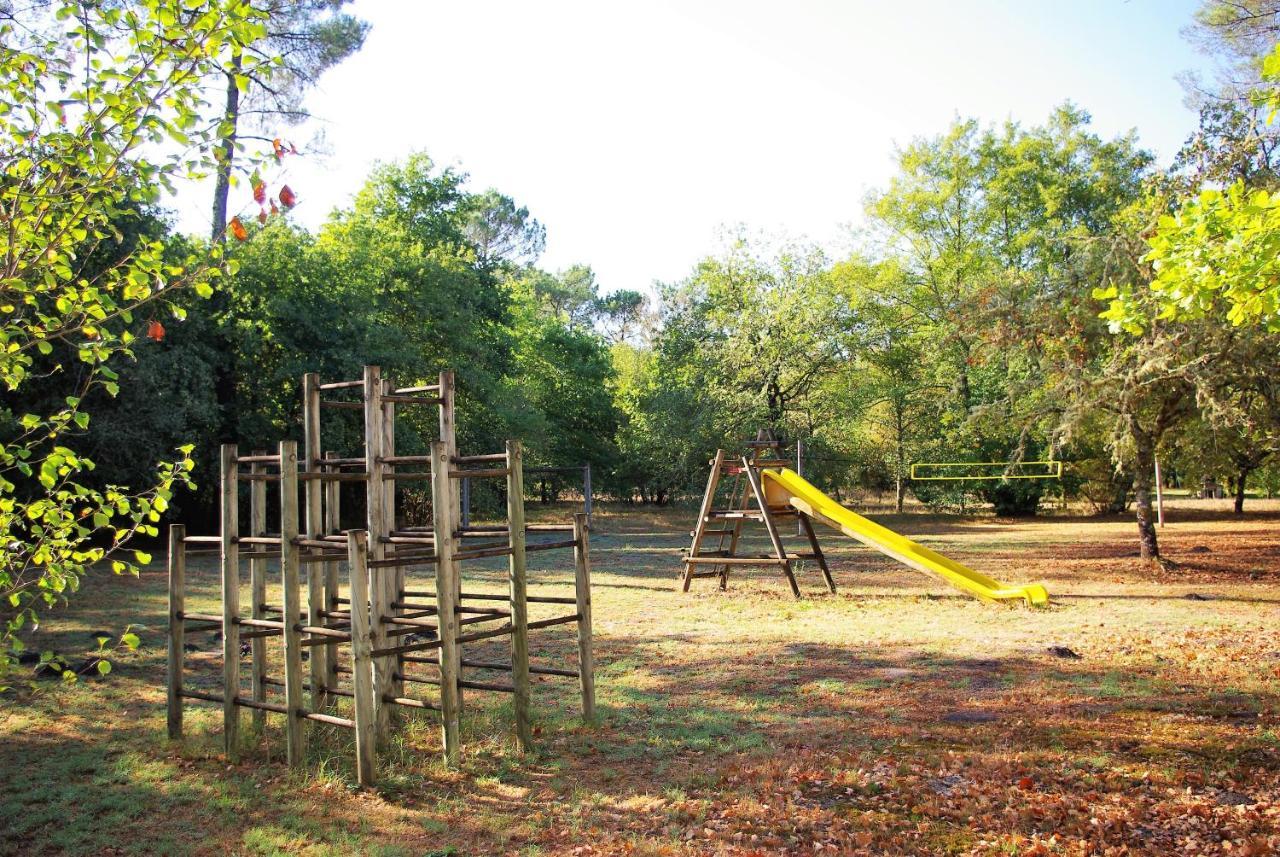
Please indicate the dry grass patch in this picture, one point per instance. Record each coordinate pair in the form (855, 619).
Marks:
(893, 717)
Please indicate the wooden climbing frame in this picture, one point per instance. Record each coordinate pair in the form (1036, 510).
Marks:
(362, 633)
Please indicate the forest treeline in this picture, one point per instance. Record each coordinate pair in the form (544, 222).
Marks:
(967, 328)
(1018, 293)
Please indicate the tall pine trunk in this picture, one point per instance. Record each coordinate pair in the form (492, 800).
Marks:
(226, 153)
(224, 382)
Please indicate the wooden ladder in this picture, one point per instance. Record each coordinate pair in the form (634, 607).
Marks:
(747, 501)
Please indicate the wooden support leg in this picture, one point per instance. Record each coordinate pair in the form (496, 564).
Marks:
(708, 501)
(177, 636)
(314, 522)
(333, 524)
(292, 604)
(582, 592)
(518, 596)
(375, 497)
(807, 526)
(446, 598)
(753, 479)
(258, 592)
(393, 578)
(361, 662)
(230, 603)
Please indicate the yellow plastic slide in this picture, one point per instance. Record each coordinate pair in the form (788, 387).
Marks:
(786, 487)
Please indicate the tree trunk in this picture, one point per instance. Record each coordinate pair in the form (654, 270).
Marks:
(1240, 482)
(1144, 465)
(226, 154)
(900, 491)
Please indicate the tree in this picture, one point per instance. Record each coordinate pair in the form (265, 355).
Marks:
(886, 384)
(268, 80)
(992, 229)
(501, 231)
(86, 114)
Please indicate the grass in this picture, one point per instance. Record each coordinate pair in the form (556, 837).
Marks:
(892, 717)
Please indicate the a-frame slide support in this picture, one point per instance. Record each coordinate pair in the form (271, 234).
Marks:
(747, 502)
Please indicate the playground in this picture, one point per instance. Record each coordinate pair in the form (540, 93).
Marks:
(1138, 709)
(653, 437)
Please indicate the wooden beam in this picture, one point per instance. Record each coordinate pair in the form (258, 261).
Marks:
(375, 497)
(708, 501)
(258, 593)
(753, 479)
(295, 739)
(361, 661)
(314, 525)
(447, 589)
(582, 592)
(230, 525)
(177, 626)
(518, 589)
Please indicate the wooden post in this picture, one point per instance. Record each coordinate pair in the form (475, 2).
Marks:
(292, 603)
(518, 595)
(332, 525)
(319, 671)
(1159, 494)
(465, 517)
(177, 603)
(375, 496)
(258, 590)
(361, 662)
(392, 578)
(586, 491)
(582, 592)
(446, 597)
(449, 437)
(230, 602)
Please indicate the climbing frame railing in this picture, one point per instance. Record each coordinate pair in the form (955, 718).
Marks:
(385, 632)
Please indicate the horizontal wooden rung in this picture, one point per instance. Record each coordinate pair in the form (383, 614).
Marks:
(413, 400)
(558, 620)
(340, 385)
(546, 546)
(490, 473)
(258, 459)
(203, 697)
(410, 703)
(405, 459)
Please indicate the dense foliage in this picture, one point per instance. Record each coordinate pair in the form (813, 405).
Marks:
(1021, 293)
(90, 94)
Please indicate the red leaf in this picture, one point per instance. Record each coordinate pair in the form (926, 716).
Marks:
(1026, 783)
(238, 230)
(287, 198)
(278, 148)
(259, 193)
(262, 215)
(274, 209)
(155, 331)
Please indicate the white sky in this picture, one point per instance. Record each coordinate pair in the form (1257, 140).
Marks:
(635, 132)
